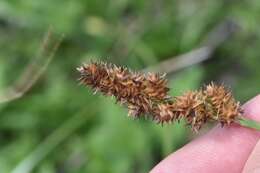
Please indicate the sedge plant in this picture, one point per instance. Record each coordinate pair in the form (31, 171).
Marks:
(147, 95)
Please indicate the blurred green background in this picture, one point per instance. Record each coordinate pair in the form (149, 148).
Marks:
(61, 127)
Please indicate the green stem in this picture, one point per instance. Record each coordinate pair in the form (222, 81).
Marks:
(249, 123)
(52, 141)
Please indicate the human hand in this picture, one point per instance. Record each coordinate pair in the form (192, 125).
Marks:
(232, 149)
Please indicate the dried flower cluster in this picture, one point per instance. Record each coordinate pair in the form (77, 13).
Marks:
(147, 95)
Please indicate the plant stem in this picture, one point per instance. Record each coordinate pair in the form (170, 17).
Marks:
(249, 123)
(52, 141)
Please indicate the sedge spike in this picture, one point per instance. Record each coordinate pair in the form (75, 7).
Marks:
(147, 95)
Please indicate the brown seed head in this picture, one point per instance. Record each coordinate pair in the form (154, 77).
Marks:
(137, 91)
(147, 95)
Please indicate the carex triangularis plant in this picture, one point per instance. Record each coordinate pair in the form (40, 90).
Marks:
(147, 95)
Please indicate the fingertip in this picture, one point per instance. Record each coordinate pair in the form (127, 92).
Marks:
(221, 150)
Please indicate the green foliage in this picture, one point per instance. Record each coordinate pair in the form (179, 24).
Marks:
(61, 126)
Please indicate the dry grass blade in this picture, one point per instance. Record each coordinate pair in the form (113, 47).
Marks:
(214, 39)
(34, 70)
